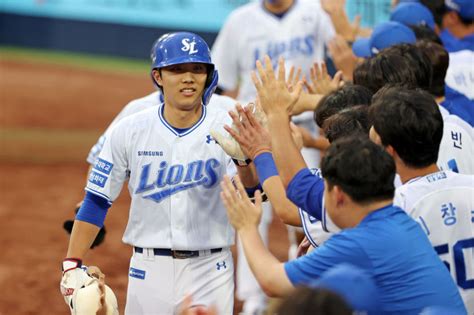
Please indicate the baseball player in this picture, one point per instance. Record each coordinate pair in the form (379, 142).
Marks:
(440, 201)
(177, 225)
(295, 30)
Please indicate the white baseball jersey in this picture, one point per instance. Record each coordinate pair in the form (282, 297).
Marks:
(457, 145)
(460, 74)
(153, 99)
(312, 227)
(443, 204)
(251, 32)
(173, 180)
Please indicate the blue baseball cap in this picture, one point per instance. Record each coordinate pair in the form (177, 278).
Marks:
(353, 284)
(413, 13)
(465, 8)
(384, 35)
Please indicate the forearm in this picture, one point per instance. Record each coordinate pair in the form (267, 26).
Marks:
(268, 271)
(284, 208)
(306, 102)
(287, 156)
(82, 236)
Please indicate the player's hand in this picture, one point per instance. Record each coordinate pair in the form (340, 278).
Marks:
(342, 56)
(187, 308)
(321, 81)
(73, 278)
(303, 247)
(250, 134)
(242, 213)
(297, 135)
(229, 144)
(294, 78)
(273, 93)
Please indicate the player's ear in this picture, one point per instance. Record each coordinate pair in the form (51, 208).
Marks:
(157, 76)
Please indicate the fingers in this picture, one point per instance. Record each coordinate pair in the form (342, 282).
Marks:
(228, 193)
(297, 77)
(250, 117)
(258, 199)
(270, 74)
(290, 76)
(240, 189)
(324, 70)
(281, 69)
(256, 82)
(337, 78)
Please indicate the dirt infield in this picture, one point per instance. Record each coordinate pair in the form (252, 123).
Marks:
(50, 116)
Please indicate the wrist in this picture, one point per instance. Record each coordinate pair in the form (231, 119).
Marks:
(265, 166)
(242, 163)
(260, 151)
(71, 263)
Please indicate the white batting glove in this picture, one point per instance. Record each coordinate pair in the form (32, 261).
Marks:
(74, 278)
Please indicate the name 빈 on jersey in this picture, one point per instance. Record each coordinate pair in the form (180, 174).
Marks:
(171, 179)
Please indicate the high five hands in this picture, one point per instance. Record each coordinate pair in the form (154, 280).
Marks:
(273, 92)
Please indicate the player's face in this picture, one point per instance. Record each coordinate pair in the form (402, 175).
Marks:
(183, 85)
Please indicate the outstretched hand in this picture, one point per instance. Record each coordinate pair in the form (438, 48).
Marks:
(252, 137)
(273, 92)
(242, 213)
(321, 81)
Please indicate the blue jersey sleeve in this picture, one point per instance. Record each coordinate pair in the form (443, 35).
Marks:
(306, 191)
(338, 249)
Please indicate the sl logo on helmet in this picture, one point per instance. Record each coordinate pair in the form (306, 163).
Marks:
(188, 46)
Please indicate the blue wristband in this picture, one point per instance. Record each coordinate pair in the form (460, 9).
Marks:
(265, 166)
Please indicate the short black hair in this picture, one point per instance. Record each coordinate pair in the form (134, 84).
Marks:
(417, 60)
(362, 169)
(348, 122)
(410, 121)
(439, 59)
(402, 64)
(424, 32)
(377, 71)
(344, 97)
(305, 300)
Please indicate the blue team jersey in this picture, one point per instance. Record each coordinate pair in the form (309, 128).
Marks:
(459, 105)
(453, 44)
(393, 248)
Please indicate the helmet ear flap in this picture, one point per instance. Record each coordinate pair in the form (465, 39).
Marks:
(210, 87)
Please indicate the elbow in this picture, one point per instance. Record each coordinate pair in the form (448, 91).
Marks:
(269, 289)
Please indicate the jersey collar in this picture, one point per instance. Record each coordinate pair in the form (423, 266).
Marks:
(185, 132)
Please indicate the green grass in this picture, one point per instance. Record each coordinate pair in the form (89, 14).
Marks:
(78, 60)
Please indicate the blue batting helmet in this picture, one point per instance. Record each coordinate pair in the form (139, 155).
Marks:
(185, 47)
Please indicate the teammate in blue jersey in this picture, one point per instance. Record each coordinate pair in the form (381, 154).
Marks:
(409, 275)
(358, 194)
(173, 167)
(409, 125)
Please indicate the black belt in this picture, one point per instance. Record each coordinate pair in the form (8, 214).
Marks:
(179, 254)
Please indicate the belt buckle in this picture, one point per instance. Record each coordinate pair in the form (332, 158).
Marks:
(181, 254)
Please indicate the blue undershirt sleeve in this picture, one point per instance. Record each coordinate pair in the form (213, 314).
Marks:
(93, 209)
(338, 249)
(306, 191)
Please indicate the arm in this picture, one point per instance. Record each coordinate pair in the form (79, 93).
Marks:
(277, 103)
(82, 236)
(245, 217)
(254, 141)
